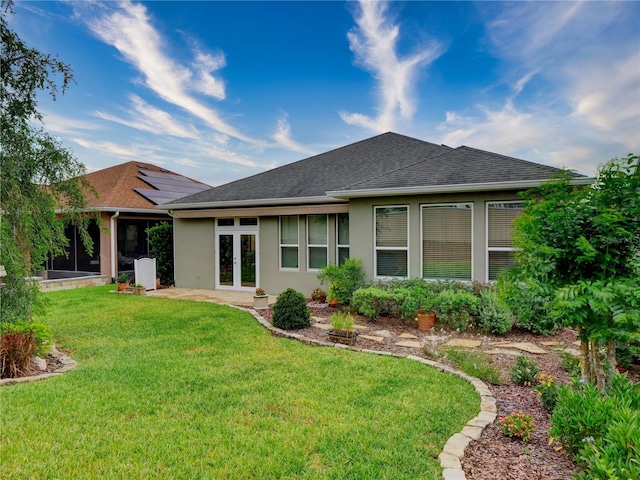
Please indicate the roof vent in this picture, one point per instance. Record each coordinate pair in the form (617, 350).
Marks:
(143, 166)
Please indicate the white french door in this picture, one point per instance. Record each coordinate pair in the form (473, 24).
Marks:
(236, 259)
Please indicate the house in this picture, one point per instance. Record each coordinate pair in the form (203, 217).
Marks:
(126, 201)
(406, 207)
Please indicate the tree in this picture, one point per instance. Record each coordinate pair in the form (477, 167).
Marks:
(38, 176)
(583, 244)
(161, 246)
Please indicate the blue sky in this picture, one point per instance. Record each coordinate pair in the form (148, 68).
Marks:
(221, 90)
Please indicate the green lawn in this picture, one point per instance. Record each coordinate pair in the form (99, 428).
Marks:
(179, 389)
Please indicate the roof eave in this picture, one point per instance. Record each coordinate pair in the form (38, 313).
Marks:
(120, 209)
(258, 202)
(464, 187)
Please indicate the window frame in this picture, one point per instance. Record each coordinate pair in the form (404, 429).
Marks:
(471, 204)
(375, 242)
(341, 245)
(288, 245)
(489, 249)
(317, 245)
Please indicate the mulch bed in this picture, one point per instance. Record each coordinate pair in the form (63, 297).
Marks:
(493, 456)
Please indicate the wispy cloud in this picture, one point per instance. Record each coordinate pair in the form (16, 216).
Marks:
(283, 137)
(148, 118)
(374, 44)
(588, 109)
(114, 149)
(63, 125)
(129, 29)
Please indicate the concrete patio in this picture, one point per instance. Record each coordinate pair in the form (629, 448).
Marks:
(228, 297)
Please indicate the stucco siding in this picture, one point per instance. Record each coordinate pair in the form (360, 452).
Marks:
(194, 253)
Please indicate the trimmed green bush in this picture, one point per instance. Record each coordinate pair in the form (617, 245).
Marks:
(343, 279)
(161, 248)
(524, 371)
(456, 308)
(493, 314)
(375, 301)
(290, 311)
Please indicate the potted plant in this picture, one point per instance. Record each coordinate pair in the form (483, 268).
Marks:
(138, 289)
(318, 295)
(426, 318)
(260, 299)
(343, 329)
(122, 282)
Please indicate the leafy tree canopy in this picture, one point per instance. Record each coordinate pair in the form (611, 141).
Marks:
(38, 176)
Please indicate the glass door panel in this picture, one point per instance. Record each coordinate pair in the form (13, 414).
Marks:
(248, 260)
(225, 260)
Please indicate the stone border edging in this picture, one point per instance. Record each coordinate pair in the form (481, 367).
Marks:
(453, 450)
(67, 365)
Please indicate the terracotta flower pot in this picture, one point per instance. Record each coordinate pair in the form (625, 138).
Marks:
(122, 287)
(426, 319)
(334, 302)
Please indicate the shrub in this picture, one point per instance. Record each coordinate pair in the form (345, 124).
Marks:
(617, 454)
(584, 414)
(530, 303)
(375, 301)
(343, 279)
(547, 389)
(161, 248)
(290, 311)
(494, 315)
(524, 371)
(456, 308)
(519, 425)
(475, 364)
(42, 334)
(319, 296)
(16, 350)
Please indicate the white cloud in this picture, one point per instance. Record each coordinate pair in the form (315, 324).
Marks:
(129, 30)
(148, 118)
(114, 149)
(374, 42)
(284, 139)
(65, 125)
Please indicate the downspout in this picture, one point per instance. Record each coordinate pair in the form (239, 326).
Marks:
(114, 254)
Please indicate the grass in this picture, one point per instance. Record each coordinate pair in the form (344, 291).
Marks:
(475, 364)
(180, 389)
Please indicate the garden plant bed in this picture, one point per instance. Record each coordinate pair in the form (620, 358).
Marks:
(494, 455)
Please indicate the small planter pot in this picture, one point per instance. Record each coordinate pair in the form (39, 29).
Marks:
(122, 287)
(345, 338)
(426, 319)
(260, 301)
(334, 302)
(137, 290)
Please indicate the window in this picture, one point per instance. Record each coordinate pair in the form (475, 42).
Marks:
(500, 217)
(249, 222)
(226, 222)
(342, 232)
(317, 238)
(392, 241)
(289, 241)
(446, 241)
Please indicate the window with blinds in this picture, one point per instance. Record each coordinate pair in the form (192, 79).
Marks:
(342, 241)
(500, 217)
(447, 238)
(392, 241)
(289, 241)
(317, 241)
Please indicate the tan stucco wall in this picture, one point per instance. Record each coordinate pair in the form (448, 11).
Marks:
(274, 280)
(361, 227)
(194, 253)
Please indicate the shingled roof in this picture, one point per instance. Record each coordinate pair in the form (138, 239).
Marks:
(386, 162)
(138, 185)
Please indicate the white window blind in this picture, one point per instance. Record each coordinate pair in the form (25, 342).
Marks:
(500, 217)
(289, 241)
(392, 241)
(317, 237)
(342, 232)
(447, 238)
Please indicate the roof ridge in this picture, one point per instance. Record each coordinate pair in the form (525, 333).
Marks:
(405, 166)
